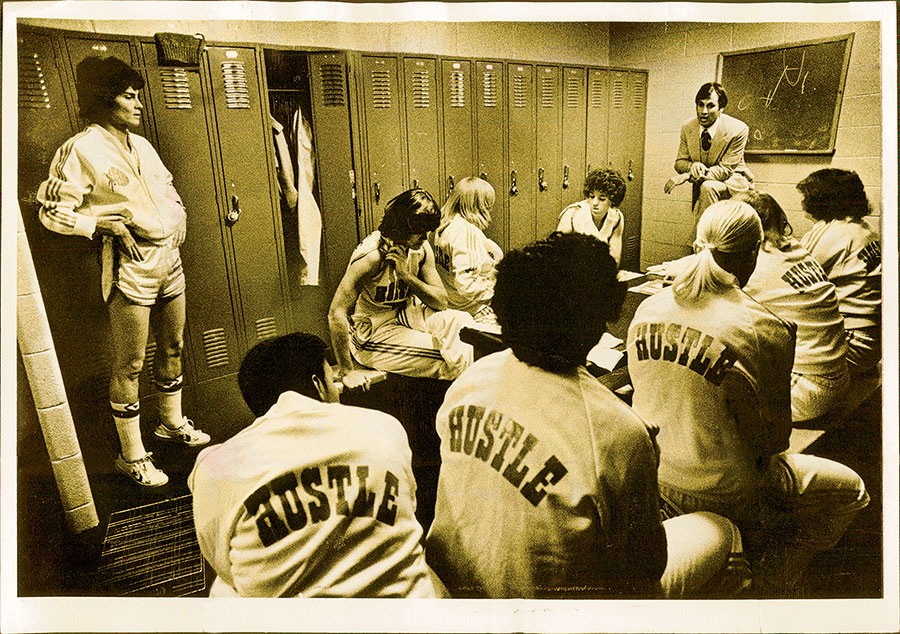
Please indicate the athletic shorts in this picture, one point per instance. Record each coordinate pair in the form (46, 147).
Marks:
(158, 276)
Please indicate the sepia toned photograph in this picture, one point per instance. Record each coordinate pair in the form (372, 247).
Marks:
(537, 317)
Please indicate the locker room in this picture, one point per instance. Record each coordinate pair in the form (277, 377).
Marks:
(354, 114)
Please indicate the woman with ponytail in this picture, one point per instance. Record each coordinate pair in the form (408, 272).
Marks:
(712, 367)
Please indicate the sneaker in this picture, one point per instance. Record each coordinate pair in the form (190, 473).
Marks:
(186, 434)
(142, 471)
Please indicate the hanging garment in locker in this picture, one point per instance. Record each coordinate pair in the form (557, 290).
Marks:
(309, 218)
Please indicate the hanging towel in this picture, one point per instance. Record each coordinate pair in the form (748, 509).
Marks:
(309, 218)
(283, 165)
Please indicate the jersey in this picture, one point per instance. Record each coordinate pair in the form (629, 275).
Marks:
(678, 357)
(850, 253)
(793, 285)
(577, 218)
(93, 176)
(465, 260)
(547, 486)
(313, 499)
(385, 293)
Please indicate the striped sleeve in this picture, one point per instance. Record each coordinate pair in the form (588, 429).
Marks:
(472, 266)
(62, 194)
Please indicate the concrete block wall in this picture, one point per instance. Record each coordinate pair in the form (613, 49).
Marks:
(682, 56)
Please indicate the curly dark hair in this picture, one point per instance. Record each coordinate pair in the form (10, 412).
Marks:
(832, 193)
(706, 91)
(99, 81)
(275, 366)
(608, 181)
(410, 213)
(554, 297)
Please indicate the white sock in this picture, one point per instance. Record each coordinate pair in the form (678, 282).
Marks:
(127, 418)
(170, 402)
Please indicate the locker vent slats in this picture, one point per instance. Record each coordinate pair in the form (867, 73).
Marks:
(235, 77)
(457, 89)
(618, 91)
(176, 90)
(332, 76)
(631, 248)
(215, 347)
(520, 98)
(489, 86)
(638, 92)
(548, 85)
(421, 89)
(265, 328)
(598, 92)
(382, 95)
(573, 92)
(32, 87)
(149, 354)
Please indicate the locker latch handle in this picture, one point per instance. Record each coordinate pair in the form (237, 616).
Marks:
(377, 192)
(415, 183)
(630, 172)
(450, 184)
(565, 183)
(235, 212)
(513, 189)
(542, 184)
(483, 176)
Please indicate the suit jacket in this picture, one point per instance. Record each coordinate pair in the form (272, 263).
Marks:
(726, 154)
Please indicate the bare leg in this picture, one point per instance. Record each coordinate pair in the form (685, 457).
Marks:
(168, 325)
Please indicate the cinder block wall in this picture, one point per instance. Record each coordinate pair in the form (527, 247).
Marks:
(682, 56)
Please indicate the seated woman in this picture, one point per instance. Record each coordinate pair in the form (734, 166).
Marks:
(850, 253)
(598, 214)
(790, 283)
(712, 368)
(389, 310)
(465, 256)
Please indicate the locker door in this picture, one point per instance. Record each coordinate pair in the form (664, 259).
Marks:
(176, 98)
(574, 124)
(521, 143)
(597, 120)
(456, 76)
(383, 131)
(254, 224)
(549, 160)
(334, 163)
(490, 129)
(626, 143)
(67, 266)
(78, 48)
(420, 87)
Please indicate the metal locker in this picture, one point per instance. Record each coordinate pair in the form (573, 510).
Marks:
(336, 184)
(176, 98)
(597, 120)
(574, 139)
(420, 92)
(549, 161)
(490, 128)
(521, 143)
(385, 166)
(253, 224)
(456, 77)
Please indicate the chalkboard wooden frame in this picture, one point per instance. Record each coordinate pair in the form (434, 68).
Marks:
(741, 92)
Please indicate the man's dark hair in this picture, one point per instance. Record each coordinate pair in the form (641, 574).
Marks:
(832, 193)
(608, 181)
(554, 297)
(706, 91)
(411, 213)
(99, 81)
(275, 366)
(769, 211)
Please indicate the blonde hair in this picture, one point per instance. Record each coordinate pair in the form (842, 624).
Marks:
(728, 226)
(473, 199)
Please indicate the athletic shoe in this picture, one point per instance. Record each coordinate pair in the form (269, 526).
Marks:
(186, 434)
(142, 471)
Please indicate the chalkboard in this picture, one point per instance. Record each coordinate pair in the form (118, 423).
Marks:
(789, 95)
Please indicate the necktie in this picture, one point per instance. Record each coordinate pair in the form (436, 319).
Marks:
(705, 140)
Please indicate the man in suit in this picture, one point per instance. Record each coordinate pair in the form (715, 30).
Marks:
(711, 153)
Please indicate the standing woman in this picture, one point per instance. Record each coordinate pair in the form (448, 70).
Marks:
(465, 256)
(850, 252)
(598, 214)
(108, 181)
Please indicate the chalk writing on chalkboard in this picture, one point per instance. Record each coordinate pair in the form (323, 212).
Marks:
(789, 95)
